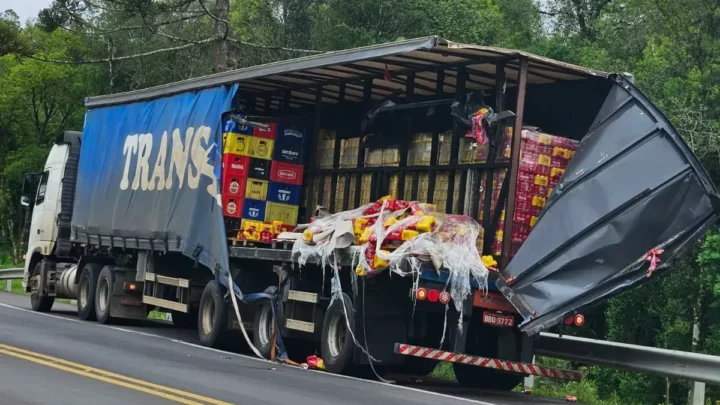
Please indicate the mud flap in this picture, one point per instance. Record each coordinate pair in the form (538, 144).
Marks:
(633, 187)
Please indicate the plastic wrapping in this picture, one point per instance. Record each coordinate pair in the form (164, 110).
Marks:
(401, 237)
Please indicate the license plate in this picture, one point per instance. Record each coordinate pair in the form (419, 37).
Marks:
(498, 320)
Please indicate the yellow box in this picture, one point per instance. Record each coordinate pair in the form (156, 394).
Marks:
(288, 214)
(237, 144)
(256, 189)
(261, 148)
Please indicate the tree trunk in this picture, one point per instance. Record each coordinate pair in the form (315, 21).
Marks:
(220, 51)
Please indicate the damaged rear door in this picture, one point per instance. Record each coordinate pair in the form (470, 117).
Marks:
(633, 194)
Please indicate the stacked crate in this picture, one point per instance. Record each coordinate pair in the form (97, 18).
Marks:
(261, 175)
(543, 160)
(286, 177)
(235, 168)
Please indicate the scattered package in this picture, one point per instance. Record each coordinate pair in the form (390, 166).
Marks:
(400, 236)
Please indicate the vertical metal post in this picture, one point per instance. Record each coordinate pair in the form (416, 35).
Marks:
(697, 393)
(8, 285)
(492, 155)
(367, 101)
(312, 161)
(455, 141)
(404, 146)
(529, 381)
(514, 162)
(285, 102)
(336, 158)
(434, 146)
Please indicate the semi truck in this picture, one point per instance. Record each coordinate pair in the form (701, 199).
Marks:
(129, 212)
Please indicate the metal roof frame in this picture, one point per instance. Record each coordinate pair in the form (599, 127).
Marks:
(327, 70)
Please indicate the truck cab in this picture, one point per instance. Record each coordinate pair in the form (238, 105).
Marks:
(43, 193)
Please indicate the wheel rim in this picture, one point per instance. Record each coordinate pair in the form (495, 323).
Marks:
(84, 294)
(337, 331)
(104, 295)
(208, 316)
(34, 286)
(265, 327)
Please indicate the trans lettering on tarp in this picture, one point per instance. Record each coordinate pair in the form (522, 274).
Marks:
(151, 170)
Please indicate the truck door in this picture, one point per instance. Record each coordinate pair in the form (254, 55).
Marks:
(633, 198)
(43, 225)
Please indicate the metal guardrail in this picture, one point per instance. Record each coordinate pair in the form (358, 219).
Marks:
(644, 359)
(11, 274)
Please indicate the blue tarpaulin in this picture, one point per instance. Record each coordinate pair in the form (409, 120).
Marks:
(150, 171)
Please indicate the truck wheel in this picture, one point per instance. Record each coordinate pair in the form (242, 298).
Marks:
(185, 320)
(336, 343)
(38, 303)
(212, 320)
(86, 291)
(488, 341)
(264, 326)
(103, 295)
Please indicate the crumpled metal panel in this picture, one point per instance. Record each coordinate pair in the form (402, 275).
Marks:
(633, 186)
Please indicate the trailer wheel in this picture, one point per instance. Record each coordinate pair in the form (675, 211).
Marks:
(86, 291)
(264, 326)
(103, 295)
(494, 342)
(38, 303)
(336, 343)
(212, 318)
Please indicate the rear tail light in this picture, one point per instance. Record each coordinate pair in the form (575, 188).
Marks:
(444, 297)
(432, 295)
(574, 320)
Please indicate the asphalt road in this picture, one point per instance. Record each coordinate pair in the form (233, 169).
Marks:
(57, 359)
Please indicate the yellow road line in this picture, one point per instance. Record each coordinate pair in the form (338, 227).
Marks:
(172, 394)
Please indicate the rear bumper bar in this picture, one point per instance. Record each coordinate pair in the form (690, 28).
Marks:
(486, 362)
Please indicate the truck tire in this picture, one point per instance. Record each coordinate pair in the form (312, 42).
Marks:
(212, 319)
(38, 303)
(263, 325)
(493, 342)
(103, 295)
(336, 343)
(86, 291)
(185, 320)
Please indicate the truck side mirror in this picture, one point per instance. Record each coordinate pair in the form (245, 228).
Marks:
(25, 201)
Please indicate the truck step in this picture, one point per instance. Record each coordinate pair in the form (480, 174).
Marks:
(159, 302)
(177, 282)
(486, 362)
(302, 296)
(301, 326)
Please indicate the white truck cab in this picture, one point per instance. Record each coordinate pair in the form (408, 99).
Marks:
(46, 204)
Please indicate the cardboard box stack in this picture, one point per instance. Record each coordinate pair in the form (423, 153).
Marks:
(262, 174)
(543, 160)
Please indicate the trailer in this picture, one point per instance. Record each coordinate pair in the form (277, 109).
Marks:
(132, 213)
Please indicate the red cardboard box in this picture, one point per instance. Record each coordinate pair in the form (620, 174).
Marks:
(235, 165)
(286, 173)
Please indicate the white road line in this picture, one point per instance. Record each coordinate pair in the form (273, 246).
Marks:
(419, 391)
